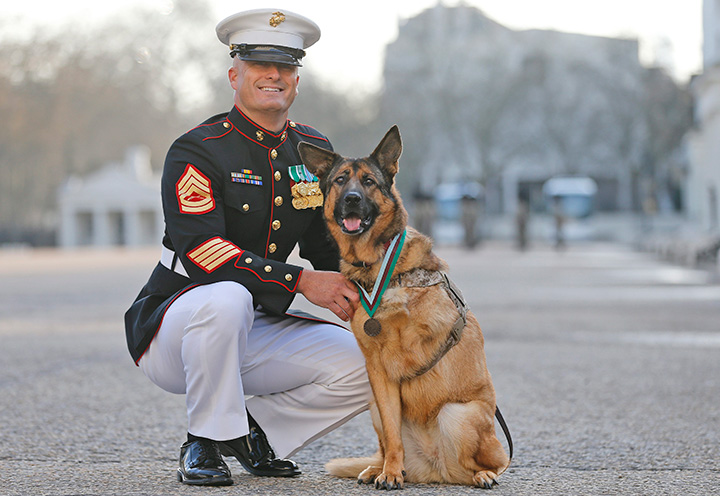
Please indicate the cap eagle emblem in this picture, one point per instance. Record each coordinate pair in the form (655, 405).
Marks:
(276, 19)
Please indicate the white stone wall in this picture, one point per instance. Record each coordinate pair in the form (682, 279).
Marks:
(703, 191)
(711, 33)
(119, 205)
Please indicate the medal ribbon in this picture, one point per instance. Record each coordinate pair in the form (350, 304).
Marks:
(371, 302)
(299, 174)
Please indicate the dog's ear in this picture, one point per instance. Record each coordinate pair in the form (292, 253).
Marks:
(389, 150)
(317, 160)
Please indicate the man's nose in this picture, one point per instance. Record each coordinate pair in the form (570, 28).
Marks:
(273, 72)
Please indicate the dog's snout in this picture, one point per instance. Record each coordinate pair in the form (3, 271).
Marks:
(352, 198)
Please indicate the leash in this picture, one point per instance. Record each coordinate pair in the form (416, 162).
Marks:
(505, 429)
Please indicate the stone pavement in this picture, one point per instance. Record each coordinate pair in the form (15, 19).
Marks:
(606, 365)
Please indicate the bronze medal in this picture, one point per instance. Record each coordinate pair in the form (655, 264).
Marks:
(372, 327)
(316, 200)
(300, 199)
(300, 203)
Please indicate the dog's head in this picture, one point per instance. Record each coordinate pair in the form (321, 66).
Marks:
(360, 194)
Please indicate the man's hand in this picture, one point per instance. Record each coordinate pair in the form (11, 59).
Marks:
(330, 290)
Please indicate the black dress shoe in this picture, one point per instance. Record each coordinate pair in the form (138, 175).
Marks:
(256, 456)
(202, 465)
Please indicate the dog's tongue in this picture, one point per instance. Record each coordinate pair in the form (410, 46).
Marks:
(352, 223)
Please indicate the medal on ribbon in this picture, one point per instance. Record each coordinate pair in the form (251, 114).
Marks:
(371, 302)
(305, 188)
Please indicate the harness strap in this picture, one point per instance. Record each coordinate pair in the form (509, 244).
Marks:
(424, 278)
(457, 329)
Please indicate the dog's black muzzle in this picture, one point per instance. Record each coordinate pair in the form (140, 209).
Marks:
(353, 213)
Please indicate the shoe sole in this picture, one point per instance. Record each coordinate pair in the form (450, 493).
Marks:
(216, 481)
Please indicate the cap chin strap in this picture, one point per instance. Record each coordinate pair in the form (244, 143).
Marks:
(268, 53)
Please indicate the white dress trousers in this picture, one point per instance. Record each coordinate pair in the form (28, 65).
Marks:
(299, 379)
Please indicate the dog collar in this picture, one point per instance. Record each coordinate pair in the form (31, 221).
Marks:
(363, 264)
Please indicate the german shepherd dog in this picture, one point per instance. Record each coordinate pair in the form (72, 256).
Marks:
(434, 402)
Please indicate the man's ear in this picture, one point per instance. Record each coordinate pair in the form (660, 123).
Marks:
(317, 160)
(388, 151)
(232, 76)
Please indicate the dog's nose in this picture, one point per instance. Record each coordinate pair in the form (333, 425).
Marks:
(352, 198)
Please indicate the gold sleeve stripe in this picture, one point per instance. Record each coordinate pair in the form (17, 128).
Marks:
(194, 192)
(213, 253)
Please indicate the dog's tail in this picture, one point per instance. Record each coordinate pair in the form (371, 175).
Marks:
(351, 467)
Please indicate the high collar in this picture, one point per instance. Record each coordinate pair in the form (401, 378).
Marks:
(254, 132)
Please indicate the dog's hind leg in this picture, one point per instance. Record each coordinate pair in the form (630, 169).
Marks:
(472, 427)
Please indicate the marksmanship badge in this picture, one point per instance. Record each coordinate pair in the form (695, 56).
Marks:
(305, 188)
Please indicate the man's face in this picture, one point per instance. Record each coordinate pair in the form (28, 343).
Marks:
(263, 86)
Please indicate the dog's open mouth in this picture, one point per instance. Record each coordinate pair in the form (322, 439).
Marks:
(353, 224)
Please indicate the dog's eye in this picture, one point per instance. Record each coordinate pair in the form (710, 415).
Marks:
(368, 181)
(340, 180)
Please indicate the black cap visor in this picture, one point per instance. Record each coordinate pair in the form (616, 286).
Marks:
(268, 53)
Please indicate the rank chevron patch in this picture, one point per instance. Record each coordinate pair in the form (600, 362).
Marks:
(194, 192)
(213, 253)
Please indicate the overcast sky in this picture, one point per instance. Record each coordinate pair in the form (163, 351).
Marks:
(355, 33)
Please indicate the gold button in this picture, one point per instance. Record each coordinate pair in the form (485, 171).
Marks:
(278, 201)
(273, 154)
(268, 268)
(272, 247)
(246, 207)
(260, 136)
(226, 125)
(276, 225)
(292, 124)
(288, 277)
(283, 135)
(278, 175)
(248, 260)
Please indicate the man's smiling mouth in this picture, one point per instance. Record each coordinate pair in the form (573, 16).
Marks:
(271, 90)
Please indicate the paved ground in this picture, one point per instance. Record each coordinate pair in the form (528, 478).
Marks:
(606, 364)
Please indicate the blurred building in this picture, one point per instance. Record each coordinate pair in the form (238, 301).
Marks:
(510, 109)
(119, 205)
(704, 140)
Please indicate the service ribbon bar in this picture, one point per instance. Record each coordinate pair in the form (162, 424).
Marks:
(371, 302)
(246, 177)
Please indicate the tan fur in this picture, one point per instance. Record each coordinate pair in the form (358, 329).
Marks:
(438, 427)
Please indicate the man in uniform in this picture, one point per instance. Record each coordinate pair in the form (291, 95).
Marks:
(211, 322)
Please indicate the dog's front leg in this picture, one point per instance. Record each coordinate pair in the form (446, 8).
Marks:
(387, 400)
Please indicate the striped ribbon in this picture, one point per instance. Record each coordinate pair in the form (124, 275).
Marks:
(371, 302)
(299, 174)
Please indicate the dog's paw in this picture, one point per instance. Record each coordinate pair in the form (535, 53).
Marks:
(485, 479)
(369, 475)
(390, 481)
